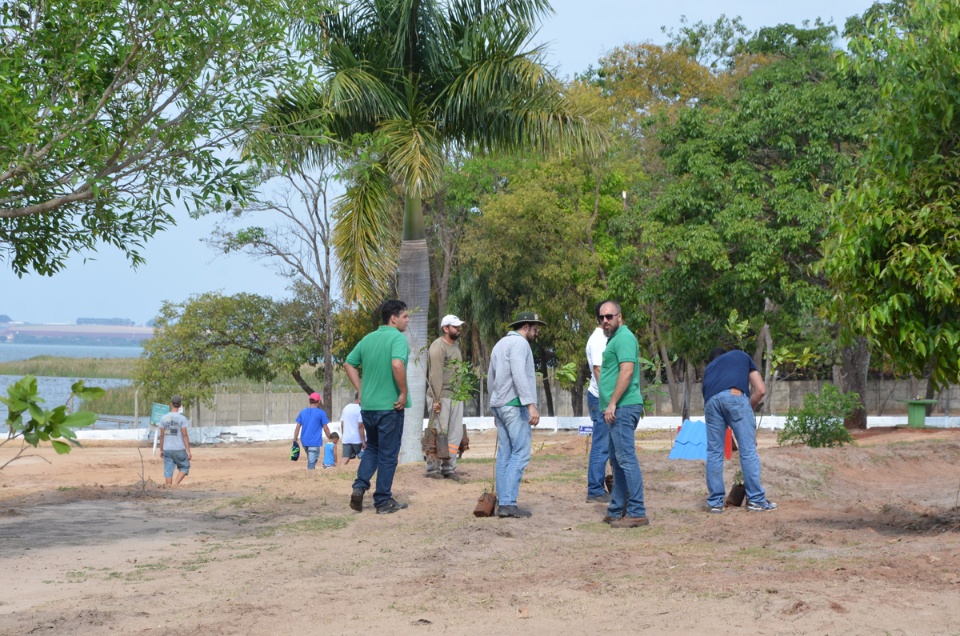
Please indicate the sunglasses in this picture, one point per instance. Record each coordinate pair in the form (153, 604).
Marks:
(603, 317)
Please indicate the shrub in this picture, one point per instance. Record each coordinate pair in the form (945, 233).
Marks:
(819, 423)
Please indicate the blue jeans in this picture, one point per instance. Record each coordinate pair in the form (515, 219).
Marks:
(722, 410)
(384, 430)
(627, 478)
(599, 449)
(175, 459)
(513, 451)
(313, 454)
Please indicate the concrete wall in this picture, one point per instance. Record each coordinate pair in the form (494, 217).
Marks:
(883, 397)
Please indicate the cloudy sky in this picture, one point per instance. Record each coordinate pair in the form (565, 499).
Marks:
(179, 265)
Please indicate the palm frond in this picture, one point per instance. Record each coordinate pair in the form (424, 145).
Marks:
(416, 152)
(366, 234)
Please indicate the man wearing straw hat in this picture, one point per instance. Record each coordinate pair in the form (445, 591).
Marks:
(513, 398)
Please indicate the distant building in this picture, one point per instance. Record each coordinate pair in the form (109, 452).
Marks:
(113, 322)
(75, 334)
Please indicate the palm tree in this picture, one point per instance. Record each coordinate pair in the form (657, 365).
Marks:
(402, 82)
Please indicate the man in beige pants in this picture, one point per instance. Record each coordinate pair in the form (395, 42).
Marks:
(448, 413)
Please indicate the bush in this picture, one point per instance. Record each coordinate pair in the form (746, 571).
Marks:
(819, 424)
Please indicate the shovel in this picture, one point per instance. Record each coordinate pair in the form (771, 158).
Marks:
(488, 500)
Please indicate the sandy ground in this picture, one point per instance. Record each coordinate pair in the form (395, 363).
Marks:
(867, 541)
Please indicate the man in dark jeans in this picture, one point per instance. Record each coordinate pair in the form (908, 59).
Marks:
(729, 402)
(382, 357)
(622, 405)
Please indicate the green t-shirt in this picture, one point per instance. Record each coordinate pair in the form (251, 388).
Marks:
(621, 347)
(374, 355)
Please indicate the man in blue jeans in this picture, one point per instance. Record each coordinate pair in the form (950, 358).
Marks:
(383, 396)
(512, 380)
(623, 405)
(728, 401)
(600, 439)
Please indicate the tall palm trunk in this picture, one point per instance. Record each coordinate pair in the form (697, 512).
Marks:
(413, 285)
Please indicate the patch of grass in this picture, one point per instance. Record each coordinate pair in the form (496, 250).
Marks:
(289, 499)
(248, 555)
(66, 488)
(115, 401)
(52, 366)
(315, 525)
(562, 477)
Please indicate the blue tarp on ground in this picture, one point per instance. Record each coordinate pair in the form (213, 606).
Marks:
(691, 441)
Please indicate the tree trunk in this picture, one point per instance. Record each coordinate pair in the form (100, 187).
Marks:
(687, 389)
(413, 286)
(853, 377)
(301, 382)
(671, 378)
(576, 394)
(547, 392)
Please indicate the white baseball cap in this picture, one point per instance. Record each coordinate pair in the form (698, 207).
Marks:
(450, 321)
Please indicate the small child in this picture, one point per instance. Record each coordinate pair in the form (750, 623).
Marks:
(330, 451)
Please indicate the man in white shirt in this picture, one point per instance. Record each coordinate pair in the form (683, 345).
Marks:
(600, 446)
(351, 431)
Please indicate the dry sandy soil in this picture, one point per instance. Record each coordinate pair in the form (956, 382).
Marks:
(867, 541)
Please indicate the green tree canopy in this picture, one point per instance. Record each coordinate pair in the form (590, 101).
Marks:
(210, 338)
(113, 110)
(894, 253)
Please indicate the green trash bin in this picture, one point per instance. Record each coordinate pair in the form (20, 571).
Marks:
(917, 412)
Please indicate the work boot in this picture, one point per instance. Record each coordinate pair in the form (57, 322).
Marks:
(514, 512)
(452, 476)
(434, 475)
(630, 522)
(391, 506)
(604, 498)
(356, 499)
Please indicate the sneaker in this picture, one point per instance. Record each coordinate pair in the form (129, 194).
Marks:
(716, 510)
(356, 500)
(514, 512)
(391, 506)
(765, 506)
(630, 522)
(604, 498)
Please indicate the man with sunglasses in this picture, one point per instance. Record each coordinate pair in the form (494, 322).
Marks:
(449, 413)
(512, 380)
(620, 398)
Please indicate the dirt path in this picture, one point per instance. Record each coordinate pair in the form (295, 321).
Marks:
(867, 541)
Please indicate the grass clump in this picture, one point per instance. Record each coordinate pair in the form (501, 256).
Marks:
(116, 401)
(819, 424)
(55, 367)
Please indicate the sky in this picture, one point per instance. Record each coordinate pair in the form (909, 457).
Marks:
(104, 285)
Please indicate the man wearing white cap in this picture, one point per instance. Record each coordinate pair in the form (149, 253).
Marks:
(440, 389)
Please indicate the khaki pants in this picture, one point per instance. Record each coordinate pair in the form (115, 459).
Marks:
(450, 419)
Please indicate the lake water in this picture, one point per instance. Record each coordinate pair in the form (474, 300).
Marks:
(11, 351)
(55, 391)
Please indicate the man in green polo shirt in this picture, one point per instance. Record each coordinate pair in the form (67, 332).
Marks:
(622, 406)
(381, 359)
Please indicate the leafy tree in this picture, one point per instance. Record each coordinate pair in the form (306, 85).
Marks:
(210, 338)
(894, 252)
(528, 249)
(294, 235)
(30, 422)
(412, 78)
(112, 110)
(739, 219)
